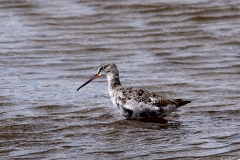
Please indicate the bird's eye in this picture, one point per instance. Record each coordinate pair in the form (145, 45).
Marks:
(100, 69)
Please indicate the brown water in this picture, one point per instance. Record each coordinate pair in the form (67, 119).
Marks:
(178, 49)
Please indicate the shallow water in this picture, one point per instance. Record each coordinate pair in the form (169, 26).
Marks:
(178, 49)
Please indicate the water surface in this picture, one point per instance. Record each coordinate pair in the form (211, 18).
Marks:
(178, 49)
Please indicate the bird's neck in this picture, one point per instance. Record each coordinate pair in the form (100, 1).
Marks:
(113, 81)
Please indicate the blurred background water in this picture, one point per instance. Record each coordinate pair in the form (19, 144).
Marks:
(178, 49)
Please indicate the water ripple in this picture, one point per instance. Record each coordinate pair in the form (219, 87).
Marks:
(179, 49)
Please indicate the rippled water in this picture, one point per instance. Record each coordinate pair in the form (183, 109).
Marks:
(178, 49)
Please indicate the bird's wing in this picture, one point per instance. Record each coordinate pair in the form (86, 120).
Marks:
(134, 97)
(142, 103)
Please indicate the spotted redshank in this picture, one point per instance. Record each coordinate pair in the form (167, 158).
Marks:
(135, 103)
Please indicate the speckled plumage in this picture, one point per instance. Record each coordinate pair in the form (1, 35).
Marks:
(135, 102)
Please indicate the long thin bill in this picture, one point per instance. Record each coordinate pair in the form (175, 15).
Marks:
(94, 77)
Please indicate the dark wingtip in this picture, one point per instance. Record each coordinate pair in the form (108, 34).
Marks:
(181, 102)
(186, 102)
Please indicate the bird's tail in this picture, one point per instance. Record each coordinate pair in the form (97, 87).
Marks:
(180, 102)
